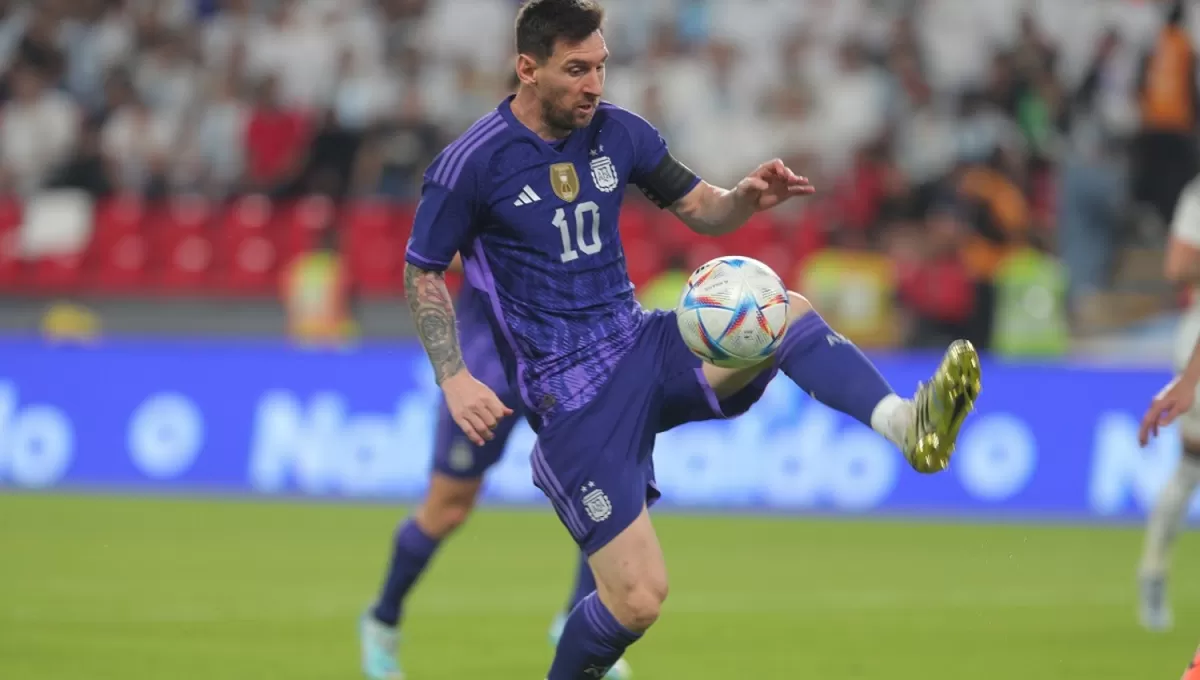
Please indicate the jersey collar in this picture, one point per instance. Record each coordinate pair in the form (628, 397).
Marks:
(505, 110)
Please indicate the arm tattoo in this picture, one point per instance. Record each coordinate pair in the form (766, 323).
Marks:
(433, 312)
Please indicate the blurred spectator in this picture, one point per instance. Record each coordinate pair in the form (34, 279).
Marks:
(165, 77)
(42, 45)
(935, 283)
(1092, 177)
(138, 143)
(217, 154)
(38, 130)
(1165, 157)
(276, 142)
(954, 138)
(87, 169)
(101, 41)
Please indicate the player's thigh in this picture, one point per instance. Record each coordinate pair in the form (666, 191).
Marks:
(727, 382)
(594, 463)
(597, 488)
(631, 574)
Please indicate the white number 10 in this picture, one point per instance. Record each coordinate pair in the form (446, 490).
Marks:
(581, 212)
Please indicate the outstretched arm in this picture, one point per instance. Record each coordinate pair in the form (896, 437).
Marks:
(433, 313)
(714, 211)
(1173, 401)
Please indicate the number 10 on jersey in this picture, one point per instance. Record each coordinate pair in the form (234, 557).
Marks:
(582, 213)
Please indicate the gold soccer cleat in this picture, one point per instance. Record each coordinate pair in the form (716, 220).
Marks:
(941, 405)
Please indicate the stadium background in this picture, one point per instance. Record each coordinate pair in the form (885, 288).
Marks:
(204, 211)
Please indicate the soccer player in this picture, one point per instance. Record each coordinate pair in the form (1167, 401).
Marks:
(529, 196)
(1182, 266)
(455, 481)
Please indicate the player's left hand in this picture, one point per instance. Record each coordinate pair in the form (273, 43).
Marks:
(770, 184)
(1173, 401)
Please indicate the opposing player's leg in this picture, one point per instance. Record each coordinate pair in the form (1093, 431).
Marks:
(829, 367)
(458, 469)
(1170, 509)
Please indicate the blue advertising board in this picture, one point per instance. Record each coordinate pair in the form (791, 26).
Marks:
(1048, 440)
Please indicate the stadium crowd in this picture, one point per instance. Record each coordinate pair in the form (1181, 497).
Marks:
(963, 151)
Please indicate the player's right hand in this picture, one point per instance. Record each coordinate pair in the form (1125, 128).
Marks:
(1173, 401)
(474, 406)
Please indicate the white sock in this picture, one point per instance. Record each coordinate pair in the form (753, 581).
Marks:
(892, 418)
(1167, 517)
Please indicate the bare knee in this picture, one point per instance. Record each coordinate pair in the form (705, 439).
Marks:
(447, 505)
(631, 575)
(798, 305)
(637, 607)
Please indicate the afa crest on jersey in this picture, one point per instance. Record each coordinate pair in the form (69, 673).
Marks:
(604, 174)
(564, 181)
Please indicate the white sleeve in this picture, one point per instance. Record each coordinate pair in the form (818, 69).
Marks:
(1185, 225)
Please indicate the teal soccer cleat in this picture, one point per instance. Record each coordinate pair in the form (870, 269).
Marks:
(380, 649)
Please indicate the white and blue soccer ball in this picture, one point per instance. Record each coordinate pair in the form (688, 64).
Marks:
(733, 312)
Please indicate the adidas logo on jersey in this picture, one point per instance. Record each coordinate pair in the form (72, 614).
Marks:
(527, 196)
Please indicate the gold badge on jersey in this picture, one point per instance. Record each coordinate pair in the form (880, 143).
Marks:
(564, 181)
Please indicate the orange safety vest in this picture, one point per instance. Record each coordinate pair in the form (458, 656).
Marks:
(1166, 99)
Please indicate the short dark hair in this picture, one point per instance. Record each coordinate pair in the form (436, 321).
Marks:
(542, 23)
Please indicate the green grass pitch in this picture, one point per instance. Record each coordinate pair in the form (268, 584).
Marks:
(96, 588)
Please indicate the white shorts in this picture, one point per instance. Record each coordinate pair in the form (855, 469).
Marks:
(1185, 343)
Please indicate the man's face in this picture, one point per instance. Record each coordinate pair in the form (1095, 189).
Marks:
(570, 83)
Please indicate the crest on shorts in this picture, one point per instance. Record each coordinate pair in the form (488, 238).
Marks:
(596, 503)
(461, 458)
(604, 174)
(564, 181)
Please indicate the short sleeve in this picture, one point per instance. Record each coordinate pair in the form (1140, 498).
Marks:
(444, 224)
(663, 179)
(649, 147)
(1185, 225)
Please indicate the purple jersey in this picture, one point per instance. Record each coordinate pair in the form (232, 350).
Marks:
(536, 225)
(479, 343)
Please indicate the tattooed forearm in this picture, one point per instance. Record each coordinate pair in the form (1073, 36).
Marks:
(433, 312)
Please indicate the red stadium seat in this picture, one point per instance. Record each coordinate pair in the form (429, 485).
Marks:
(121, 264)
(246, 254)
(11, 266)
(675, 236)
(371, 216)
(185, 261)
(703, 251)
(58, 273)
(636, 222)
(376, 261)
(116, 218)
(249, 263)
(758, 232)
(253, 214)
(643, 260)
(10, 214)
(302, 224)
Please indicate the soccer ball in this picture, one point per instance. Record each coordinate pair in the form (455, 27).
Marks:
(733, 312)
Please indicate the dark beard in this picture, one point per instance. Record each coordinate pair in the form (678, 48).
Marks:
(560, 123)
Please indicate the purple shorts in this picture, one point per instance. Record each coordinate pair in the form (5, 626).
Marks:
(595, 464)
(456, 456)
(453, 454)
